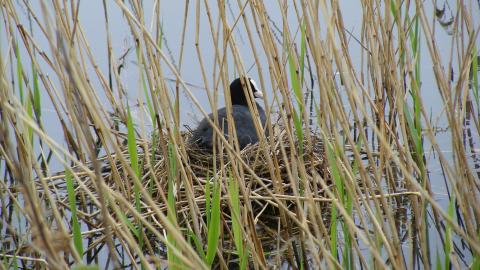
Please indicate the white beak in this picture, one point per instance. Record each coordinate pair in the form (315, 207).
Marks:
(258, 94)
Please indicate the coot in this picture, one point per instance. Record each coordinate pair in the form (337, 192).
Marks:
(202, 136)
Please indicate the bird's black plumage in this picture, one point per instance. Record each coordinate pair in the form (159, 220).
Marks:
(202, 136)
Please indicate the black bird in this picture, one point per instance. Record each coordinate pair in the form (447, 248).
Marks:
(202, 136)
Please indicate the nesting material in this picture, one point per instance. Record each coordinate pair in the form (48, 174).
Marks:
(276, 174)
(269, 163)
(276, 181)
(272, 170)
(273, 176)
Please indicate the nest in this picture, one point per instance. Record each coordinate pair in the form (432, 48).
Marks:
(274, 178)
(271, 167)
(267, 180)
(268, 177)
(258, 159)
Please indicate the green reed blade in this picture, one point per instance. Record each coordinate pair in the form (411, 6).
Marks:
(213, 235)
(76, 230)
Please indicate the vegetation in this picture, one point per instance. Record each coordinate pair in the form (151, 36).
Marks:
(357, 173)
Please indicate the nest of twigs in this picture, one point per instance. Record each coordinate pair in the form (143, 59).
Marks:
(202, 162)
(271, 178)
(269, 164)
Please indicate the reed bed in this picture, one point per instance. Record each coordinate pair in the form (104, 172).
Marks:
(360, 169)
